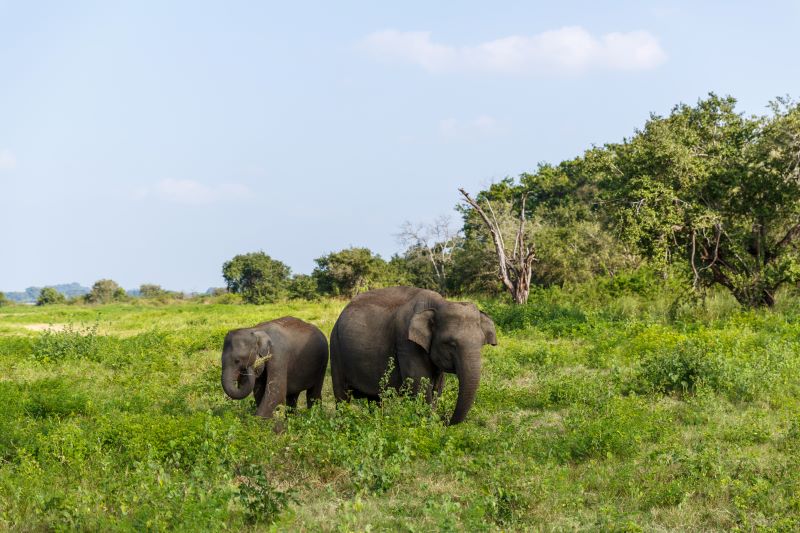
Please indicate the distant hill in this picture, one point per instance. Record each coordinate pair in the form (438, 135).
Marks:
(32, 293)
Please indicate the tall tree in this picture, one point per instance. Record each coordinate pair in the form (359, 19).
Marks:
(715, 189)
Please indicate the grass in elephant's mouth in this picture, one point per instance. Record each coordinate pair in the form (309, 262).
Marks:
(619, 420)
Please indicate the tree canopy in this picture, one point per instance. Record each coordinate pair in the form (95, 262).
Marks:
(353, 270)
(714, 189)
(257, 277)
(49, 295)
(106, 291)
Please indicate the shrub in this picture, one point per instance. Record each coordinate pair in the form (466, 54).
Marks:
(351, 271)
(56, 398)
(69, 343)
(260, 501)
(373, 443)
(49, 295)
(616, 427)
(539, 313)
(303, 287)
(3, 299)
(257, 277)
(106, 291)
(679, 369)
(149, 290)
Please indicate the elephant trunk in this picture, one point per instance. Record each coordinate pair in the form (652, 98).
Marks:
(468, 370)
(237, 384)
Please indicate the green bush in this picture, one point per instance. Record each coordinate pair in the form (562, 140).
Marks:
(257, 277)
(54, 346)
(259, 500)
(539, 313)
(303, 287)
(615, 428)
(679, 369)
(106, 291)
(48, 296)
(56, 398)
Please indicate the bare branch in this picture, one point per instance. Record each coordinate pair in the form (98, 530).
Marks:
(694, 267)
(515, 272)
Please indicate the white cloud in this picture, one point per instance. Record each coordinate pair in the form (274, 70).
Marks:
(193, 192)
(480, 127)
(7, 160)
(568, 50)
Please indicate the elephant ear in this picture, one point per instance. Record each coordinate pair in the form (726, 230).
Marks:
(420, 330)
(263, 343)
(263, 352)
(489, 333)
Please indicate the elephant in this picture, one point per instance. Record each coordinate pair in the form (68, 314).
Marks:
(296, 360)
(415, 332)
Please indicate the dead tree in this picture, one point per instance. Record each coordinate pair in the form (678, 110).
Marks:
(515, 270)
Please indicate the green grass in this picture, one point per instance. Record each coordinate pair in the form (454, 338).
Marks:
(617, 413)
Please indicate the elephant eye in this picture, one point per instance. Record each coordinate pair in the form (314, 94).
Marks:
(452, 343)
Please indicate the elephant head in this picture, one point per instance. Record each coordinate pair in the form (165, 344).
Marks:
(240, 351)
(452, 334)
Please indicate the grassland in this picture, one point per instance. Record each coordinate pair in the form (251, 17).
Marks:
(595, 412)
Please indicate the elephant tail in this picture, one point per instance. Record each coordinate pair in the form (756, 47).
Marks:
(339, 386)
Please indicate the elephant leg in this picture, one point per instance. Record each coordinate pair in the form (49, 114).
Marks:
(259, 388)
(438, 387)
(275, 393)
(291, 400)
(416, 368)
(358, 395)
(314, 394)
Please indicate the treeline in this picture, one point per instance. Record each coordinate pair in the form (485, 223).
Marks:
(705, 194)
(103, 291)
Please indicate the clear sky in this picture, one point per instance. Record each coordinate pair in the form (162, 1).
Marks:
(151, 141)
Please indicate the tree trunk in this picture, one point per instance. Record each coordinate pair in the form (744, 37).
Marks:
(755, 296)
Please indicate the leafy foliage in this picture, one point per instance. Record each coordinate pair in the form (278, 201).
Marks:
(715, 189)
(150, 290)
(564, 221)
(353, 270)
(106, 291)
(69, 343)
(48, 296)
(257, 277)
(303, 287)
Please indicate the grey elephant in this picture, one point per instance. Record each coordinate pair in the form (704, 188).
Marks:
(420, 333)
(296, 356)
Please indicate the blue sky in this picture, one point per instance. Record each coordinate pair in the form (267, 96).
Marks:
(152, 141)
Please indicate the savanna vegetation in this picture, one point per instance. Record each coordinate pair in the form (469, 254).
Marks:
(609, 407)
(647, 375)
